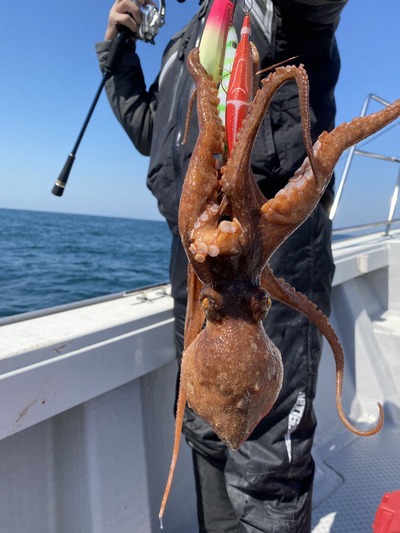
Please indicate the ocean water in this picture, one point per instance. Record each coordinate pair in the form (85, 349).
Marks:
(49, 259)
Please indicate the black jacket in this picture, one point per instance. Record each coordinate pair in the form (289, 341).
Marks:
(154, 118)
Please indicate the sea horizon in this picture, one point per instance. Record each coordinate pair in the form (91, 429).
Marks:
(80, 214)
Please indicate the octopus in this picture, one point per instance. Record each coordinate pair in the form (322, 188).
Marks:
(231, 372)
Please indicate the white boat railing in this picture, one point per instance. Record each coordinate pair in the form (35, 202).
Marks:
(355, 151)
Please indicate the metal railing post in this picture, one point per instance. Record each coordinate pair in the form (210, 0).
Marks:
(393, 203)
(346, 169)
(354, 151)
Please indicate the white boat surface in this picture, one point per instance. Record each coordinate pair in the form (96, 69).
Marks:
(86, 407)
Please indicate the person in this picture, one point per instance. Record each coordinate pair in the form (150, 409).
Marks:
(265, 486)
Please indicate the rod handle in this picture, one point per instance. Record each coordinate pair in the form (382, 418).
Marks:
(60, 183)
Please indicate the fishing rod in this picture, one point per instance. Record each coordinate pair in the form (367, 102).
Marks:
(115, 49)
(152, 20)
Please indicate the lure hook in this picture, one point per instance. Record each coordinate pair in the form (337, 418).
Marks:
(249, 8)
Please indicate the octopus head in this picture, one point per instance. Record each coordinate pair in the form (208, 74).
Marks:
(232, 372)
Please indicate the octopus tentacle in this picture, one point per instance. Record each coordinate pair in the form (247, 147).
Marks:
(194, 314)
(193, 324)
(192, 98)
(237, 175)
(294, 203)
(175, 451)
(333, 144)
(202, 176)
(284, 213)
(280, 290)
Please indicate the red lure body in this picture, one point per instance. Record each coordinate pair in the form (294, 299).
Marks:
(240, 89)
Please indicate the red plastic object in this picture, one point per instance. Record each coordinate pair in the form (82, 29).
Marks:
(387, 517)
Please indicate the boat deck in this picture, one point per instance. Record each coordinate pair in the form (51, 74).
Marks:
(353, 473)
(351, 481)
(86, 417)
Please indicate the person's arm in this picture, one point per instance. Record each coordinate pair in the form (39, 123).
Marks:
(132, 104)
(325, 12)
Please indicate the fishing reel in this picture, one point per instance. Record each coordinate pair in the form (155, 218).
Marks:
(152, 20)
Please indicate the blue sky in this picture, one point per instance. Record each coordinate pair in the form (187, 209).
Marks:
(50, 75)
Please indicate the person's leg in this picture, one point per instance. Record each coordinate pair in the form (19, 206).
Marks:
(214, 508)
(269, 479)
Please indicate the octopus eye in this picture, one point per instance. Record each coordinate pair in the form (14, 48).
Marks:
(211, 302)
(260, 304)
(205, 304)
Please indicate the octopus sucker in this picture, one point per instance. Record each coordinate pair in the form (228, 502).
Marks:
(200, 258)
(213, 250)
(234, 280)
(227, 227)
(202, 248)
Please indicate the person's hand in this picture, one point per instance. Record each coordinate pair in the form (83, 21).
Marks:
(124, 13)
